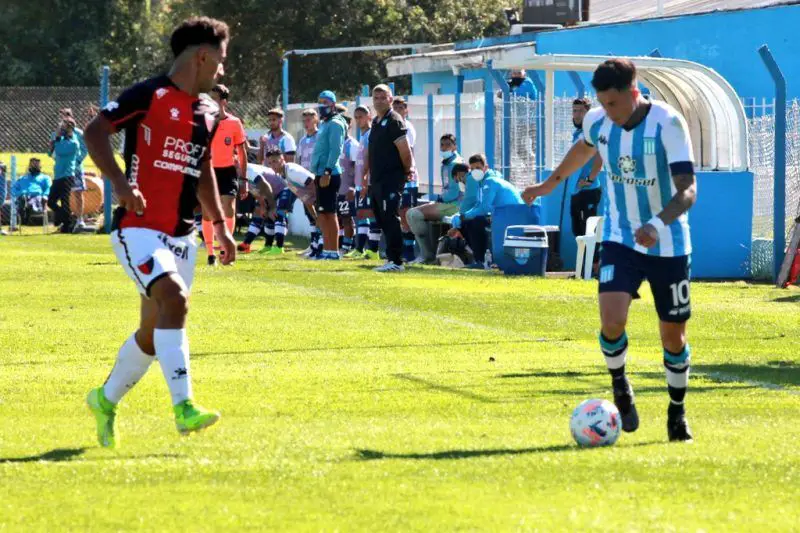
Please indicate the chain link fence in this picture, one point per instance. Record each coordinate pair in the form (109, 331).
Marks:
(32, 121)
(761, 125)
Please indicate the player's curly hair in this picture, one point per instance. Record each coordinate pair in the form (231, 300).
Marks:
(617, 73)
(196, 31)
(273, 151)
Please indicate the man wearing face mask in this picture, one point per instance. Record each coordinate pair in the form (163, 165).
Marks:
(521, 85)
(31, 190)
(68, 153)
(328, 171)
(493, 192)
(446, 205)
(586, 190)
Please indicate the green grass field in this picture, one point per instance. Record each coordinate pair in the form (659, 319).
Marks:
(351, 401)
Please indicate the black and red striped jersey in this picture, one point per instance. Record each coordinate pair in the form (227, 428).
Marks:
(167, 138)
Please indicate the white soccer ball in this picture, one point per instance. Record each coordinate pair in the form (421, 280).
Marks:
(595, 423)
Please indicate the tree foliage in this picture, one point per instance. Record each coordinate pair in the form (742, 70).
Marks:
(64, 42)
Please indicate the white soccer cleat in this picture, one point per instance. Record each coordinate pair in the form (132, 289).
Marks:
(390, 267)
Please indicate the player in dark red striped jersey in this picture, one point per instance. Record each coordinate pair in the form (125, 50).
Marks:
(168, 131)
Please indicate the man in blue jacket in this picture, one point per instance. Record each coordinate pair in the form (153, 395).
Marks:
(447, 204)
(493, 192)
(31, 190)
(328, 171)
(68, 153)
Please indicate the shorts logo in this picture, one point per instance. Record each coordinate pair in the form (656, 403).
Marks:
(147, 266)
(180, 251)
(607, 274)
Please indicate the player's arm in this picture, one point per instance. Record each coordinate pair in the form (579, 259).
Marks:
(267, 197)
(404, 149)
(580, 154)
(364, 178)
(680, 157)
(97, 137)
(261, 145)
(208, 196)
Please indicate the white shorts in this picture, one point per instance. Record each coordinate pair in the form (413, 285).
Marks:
(147, 255)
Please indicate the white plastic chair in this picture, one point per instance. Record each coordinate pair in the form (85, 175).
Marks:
(586, 247)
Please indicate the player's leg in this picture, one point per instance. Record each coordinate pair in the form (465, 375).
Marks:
(620, 279)
(133, 360)
(362, 225)
(316, 236)
(346, 210)
(408, 202)
(208, 239)
(78, 189)
(418, 218)
(327, 218)
(670, 283)
(171, 344)
(228, 202)
(374, 230)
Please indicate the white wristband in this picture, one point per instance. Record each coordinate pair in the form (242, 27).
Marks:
(657, 223)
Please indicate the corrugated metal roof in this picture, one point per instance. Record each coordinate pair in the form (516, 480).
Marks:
(604, 11)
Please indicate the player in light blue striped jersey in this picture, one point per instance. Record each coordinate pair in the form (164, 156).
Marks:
(649, 187)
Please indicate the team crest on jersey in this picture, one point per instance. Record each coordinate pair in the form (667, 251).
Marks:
(627, 165)
(649, 146)
(174, 114)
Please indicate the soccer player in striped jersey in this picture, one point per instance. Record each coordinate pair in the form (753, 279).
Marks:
(649, 187)
(276, 136)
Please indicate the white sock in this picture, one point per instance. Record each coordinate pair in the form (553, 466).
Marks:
(172, 350)
(132, 364)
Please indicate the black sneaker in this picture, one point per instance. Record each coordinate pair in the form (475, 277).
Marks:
(212, 260)
(623, 399)
(677, 427)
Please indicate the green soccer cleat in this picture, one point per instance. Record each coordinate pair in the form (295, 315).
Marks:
(369, 254)
(190, 417)
(275, 250)
(105, 413)
(265, 250)
(354, 254)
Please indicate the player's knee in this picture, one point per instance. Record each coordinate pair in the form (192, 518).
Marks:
(673, 337)
(172, 297)
(613, 325)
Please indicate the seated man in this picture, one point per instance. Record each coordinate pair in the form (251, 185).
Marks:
(446, 205)
(31, 191)
(494, 192)
(301, 183)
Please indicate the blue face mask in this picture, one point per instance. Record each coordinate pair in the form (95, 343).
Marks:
(446, 154)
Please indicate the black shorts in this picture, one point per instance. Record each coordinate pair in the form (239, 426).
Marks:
(227, 181)
(285, 201)
(345, 207)
(409, 198)
(363, 203)
(623, 269)
(326, 196)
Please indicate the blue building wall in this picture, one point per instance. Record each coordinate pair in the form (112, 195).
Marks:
(726, 41)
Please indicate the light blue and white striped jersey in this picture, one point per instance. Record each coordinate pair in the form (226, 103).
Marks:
(283, 142)
(305, 150)
(639, 165)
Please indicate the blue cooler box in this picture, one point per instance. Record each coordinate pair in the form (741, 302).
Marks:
(524, 251)
(512, 215)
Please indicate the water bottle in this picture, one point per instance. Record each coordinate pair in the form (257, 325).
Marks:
(487, 260)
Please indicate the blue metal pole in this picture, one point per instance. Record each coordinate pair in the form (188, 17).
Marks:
(459, 90)
(779, 195)
(285, 84)
(488, 114)
(540, 88)
(579, 86)
(506, 140)
(107, 192)
(391, 86)
(432, 147)
(365, 90)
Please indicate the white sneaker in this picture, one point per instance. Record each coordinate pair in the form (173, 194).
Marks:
(417, 261)
(390, 267)
(79, 227)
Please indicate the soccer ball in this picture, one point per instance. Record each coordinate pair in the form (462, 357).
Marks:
(595, 423)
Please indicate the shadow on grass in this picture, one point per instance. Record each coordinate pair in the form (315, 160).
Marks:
(57, 455)
(793, 299)
(376, 346)
(430, 385)
(773, 375)
(60, 455)
(375, 455)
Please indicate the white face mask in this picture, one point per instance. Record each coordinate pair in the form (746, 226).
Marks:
(446, 154)
(462, 186)
(478, 174)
